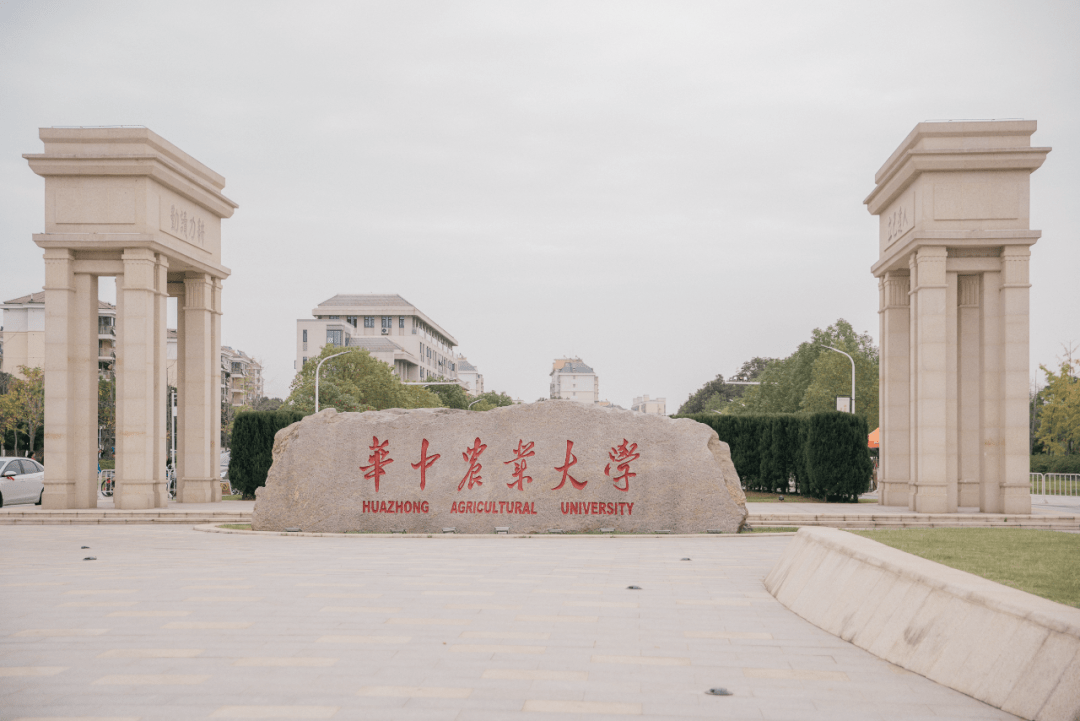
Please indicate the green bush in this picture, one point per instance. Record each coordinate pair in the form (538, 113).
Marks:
(253, 446)
(1045, 463)
(824, 455)
(764, 448)
(837, 458)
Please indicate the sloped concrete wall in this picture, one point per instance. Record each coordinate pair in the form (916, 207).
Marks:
(1010, 649)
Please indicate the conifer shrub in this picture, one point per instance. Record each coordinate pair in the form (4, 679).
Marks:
(837, 461)
(823, 455)
(253, 446)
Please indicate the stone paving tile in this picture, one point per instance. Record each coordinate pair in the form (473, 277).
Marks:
(169, 623)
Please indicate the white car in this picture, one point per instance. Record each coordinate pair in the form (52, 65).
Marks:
(21, 481)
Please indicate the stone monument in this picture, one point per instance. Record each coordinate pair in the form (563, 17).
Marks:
(124, 202)
(522, 469)
(954, 245)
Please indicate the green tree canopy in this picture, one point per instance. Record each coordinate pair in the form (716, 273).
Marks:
(717, 393)
(267, 404)
(29, 394)
(451, 396)
(491, 400)
(808, 380)
(354, 382)
(1059, 413)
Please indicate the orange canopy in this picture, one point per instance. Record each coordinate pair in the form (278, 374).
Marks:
(875, 439)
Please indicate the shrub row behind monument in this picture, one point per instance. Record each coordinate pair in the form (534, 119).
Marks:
(825, 454)
(253, 447)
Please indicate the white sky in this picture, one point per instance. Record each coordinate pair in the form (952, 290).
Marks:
(665, 189)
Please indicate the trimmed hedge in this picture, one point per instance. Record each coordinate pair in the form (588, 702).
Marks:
(823, 455)
(1055, 464)
(837, 458)
(253, 447)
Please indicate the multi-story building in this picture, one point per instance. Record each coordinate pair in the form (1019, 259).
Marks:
(241, 381)
(655, 406)
(241, 378)
(388, 326)
(572, 380)
(24, 334)
(471, 379)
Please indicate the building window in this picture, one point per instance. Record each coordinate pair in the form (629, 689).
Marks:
(401, 322)
(305, 335)
(304, 363)
(333, 337)
(351, 319)
(369, 321)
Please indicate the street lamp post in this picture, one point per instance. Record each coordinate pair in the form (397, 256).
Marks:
(473, 404)
(317, 368)
(852, 374)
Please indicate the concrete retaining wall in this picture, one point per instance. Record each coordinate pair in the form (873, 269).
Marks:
(1010, 649)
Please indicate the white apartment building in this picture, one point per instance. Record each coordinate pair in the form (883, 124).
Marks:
(241, 381)
(654, 406)
(23, 342)
(387, 326)
(241, 378)
(572, 380)
(471, 379)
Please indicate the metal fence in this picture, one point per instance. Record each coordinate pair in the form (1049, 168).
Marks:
(1055, 484)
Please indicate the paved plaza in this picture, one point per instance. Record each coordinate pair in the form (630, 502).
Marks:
(171, 623)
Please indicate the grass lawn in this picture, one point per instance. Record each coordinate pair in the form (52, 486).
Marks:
(1045, 563)
(759, 497)
(236, 526)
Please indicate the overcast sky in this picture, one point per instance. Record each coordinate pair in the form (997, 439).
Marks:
(664, 189)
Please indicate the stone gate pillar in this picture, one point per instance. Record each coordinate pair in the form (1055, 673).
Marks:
(954, 238)
(124, 202)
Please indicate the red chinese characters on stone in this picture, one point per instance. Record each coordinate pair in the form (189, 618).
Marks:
(521, 453)
(571, 459)
(622, 455)
(379, 457)
(425, 463)
(472, 457)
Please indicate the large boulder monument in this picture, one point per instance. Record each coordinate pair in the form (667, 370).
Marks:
(524, 469)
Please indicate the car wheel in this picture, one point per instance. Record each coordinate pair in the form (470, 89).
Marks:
(1, 500)
(40, 496)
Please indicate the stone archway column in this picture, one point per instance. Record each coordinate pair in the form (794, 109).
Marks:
(894, 389)
(70, 378)
(140, 471)
(198, 390)
(929, 328)
(1015, 297)
(215, 346)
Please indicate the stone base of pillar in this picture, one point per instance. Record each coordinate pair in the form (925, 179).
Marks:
(199, 490)
(133, 495)
(59, 495)
(893, 493)
(929, 499)
(1016, 499)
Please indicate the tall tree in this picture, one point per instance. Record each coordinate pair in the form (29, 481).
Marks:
(451, 396)
(354, 381)
(107, 415)
(1059, 414)
(798, 384)
(718, 393)
(29, 394)
(9, 420)
(492, 400)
